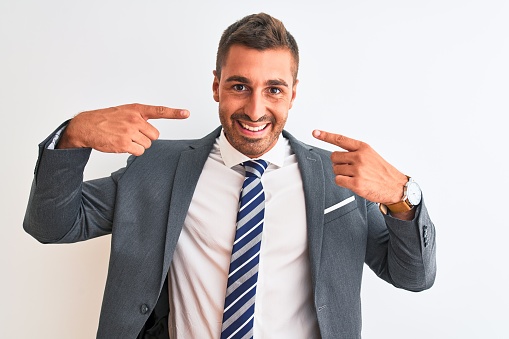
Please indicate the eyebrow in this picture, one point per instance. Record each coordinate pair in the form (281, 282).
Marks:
(277, 82)
(244, 80)
(238, 78)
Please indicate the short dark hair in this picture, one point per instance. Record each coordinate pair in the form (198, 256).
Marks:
(258, 31)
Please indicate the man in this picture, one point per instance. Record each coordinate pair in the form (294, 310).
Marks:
(172, 211)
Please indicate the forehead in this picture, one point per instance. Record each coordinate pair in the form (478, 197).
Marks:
(254, 64)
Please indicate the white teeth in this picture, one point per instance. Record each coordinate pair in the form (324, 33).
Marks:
(253, 129)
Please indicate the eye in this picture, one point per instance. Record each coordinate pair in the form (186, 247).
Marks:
(274, 90)
(239, 87)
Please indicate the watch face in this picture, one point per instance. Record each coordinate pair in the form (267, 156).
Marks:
(413, 193)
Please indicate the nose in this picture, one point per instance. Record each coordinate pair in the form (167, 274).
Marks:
(255, 107)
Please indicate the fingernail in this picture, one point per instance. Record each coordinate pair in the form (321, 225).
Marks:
(316, 133)
(184, 113)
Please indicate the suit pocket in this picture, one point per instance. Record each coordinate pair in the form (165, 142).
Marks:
(339, 209)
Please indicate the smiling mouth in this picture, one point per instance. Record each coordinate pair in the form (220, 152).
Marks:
(253, 128)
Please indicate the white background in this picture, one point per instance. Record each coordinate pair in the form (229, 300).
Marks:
(426, 83)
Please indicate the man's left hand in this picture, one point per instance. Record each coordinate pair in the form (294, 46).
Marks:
(364, 171)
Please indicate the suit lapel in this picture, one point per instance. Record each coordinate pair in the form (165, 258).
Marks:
(189, 168)
(311, 169)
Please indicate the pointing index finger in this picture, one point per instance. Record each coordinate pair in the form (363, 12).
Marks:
(342, 141)
(160, 112)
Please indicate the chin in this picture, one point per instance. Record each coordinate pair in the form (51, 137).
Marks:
(253, 148)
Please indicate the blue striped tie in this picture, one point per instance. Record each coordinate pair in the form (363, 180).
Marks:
(238, 314)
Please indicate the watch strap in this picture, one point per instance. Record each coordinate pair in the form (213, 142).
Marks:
(402, 206)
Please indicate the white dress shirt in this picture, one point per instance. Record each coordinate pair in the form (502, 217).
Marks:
(284, 305)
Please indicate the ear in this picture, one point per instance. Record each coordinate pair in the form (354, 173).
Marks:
(294, 92)
(215, 87)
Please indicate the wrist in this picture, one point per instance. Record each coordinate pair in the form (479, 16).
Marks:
(67, 139)
(65, 142)
(411, 196)
(398, 193)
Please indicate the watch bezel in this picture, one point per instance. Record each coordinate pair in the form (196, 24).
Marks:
(411, 189)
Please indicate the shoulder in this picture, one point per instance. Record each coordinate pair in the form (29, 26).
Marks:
(165, 153)
(172, 147)
(301, 148)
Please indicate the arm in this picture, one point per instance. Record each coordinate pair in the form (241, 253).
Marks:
(400, 247)
(63, 208)
(402, 252)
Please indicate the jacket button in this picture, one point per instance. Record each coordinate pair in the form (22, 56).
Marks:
(144, 309)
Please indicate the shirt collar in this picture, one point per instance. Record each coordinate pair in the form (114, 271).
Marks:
(232, 157)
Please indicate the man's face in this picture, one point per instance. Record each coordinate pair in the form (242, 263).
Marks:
(255, 92)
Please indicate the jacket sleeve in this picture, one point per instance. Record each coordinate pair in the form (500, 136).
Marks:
(402, 252)
(61, 207)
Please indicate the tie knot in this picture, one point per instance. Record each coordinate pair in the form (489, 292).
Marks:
(255, 167)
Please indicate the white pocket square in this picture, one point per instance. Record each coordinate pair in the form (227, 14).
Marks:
(339, 204)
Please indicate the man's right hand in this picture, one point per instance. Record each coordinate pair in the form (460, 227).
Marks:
(121, 129)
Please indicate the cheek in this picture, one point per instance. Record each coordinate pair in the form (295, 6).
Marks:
(281, 118)
(230, 105)
(226, 109)
(283, 104)
(280, 111)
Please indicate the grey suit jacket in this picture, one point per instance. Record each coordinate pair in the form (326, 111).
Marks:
(144, 206)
